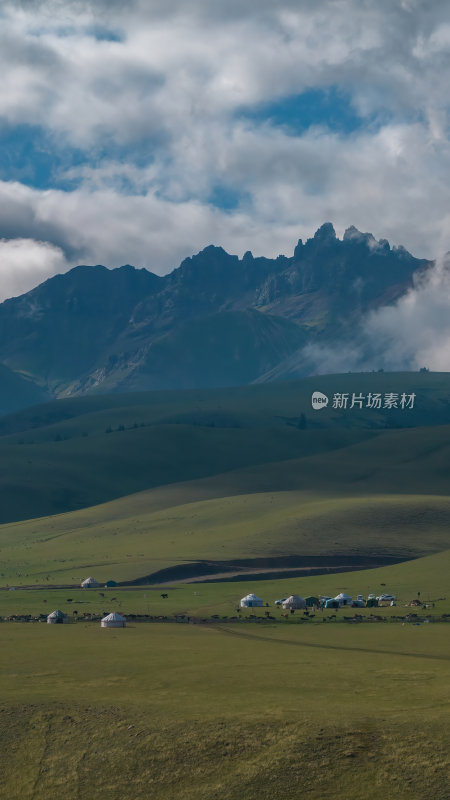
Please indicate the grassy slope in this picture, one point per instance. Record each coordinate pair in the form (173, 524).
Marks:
(123, 541)
(352, 490)
(260, 402)
(183, 712)
(59, 457)
(276, 712)
(57, 476)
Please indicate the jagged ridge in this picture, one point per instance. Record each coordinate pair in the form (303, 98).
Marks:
(216, 320)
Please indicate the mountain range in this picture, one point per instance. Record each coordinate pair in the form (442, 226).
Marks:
(216, 320)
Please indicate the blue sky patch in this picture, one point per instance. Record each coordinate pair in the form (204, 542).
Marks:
(29, 155)
(40, 160)
(99, 32)
(226, 197)
(103, 34)
(330, 108)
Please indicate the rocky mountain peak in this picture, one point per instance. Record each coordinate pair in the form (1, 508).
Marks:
(325, 233)
(126, 327)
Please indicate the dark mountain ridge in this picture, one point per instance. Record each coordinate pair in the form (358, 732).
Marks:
(216, 320)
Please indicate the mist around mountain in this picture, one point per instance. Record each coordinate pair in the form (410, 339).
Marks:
(216, 321)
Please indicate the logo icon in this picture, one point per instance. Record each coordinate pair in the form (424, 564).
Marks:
(319, 400)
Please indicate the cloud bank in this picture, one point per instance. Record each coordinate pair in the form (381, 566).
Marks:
(411, 334)
(415, 332)
(26, 262)
(142, 132)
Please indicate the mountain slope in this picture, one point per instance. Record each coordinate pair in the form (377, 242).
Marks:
(17, 392)
(216, 320)
(228, 348)
(63, 327)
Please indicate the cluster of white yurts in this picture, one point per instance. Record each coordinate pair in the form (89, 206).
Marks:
(295, 601)
(292, 602)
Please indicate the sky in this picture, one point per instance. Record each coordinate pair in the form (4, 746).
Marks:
(141, 132)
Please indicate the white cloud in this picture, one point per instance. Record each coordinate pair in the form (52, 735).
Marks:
(192, 62)
(415, 332)
(173, 79)
(392, 182)
(24, 263)
(102, 226)
(412, 333)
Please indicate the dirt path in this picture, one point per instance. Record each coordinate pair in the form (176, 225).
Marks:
(292, 642)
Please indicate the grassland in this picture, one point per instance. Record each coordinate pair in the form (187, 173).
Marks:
(226, 710)
(169, 712)
(283, 708)
(428, 575)
(80, 452)
(126, 539)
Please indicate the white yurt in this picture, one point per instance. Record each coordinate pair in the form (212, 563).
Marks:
(113, 620)
(90, 583)
(344, 599)
(294, 601)
(251, 601)
(57, 618)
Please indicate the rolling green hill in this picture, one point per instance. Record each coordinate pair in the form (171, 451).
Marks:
(257, 405)
(80, 452)
(141, 535)
(198, 482)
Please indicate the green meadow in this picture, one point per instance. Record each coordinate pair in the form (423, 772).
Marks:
(79, 452)
(166, 711)
(126, 539)
(427, 576)
(235, 485)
